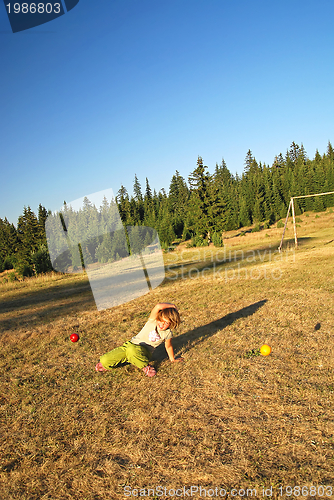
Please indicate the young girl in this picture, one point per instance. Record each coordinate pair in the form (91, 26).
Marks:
(139, 349)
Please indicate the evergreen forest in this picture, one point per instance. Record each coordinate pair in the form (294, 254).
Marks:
(199, 209)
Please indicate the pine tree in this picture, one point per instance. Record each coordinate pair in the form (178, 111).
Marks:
(94, 224)
(177, 201)
(217, 193)
(258, 213)
(103, 252)
(124, 206)
(330, 151)
(135, 212)
(149, 218)
(199, 203)
(148, 191)
(137, 207)
(42, 216)
(8, 243)
(279, 162)
(28, 231)
(248, 161)
(268, 195)
(293, 153)
(119, 248)
(136, 238)
(137, 190)
(244, 215)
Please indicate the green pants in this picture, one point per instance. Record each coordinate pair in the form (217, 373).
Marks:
(137, 355)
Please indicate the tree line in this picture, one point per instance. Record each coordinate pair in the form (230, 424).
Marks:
(200, 209)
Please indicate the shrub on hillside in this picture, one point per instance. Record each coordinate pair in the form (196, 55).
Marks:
(8, 263)
(217, 239)
(198, 241)
(12, 277)
(24, 270)
(186, 235)
(41, 260)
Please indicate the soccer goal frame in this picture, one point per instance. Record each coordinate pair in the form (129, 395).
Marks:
(292, 207)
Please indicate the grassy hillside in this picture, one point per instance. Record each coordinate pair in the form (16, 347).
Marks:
(225, 418)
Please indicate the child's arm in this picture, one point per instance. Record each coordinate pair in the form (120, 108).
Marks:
(170, 351)
(160, 307)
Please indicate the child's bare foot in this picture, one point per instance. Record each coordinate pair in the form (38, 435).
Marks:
(100, 368)
(149, 371)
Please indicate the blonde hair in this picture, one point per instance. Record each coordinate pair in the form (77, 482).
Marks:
(169, 314)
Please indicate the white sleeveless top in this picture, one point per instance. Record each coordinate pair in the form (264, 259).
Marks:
(151, 336)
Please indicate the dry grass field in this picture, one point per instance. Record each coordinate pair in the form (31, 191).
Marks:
(225, 419)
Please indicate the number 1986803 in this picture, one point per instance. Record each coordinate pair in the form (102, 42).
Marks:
(33, 8)
(304, 491)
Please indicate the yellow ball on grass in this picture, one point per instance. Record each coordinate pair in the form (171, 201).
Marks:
(265, 350)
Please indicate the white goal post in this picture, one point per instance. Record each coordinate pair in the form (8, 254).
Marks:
(292, 206)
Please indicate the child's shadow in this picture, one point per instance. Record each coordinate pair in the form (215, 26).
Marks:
(188, 340)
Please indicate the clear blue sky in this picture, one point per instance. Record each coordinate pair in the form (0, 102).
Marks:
(116, 88)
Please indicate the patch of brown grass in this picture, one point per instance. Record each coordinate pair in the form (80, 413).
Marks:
(220, 419)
